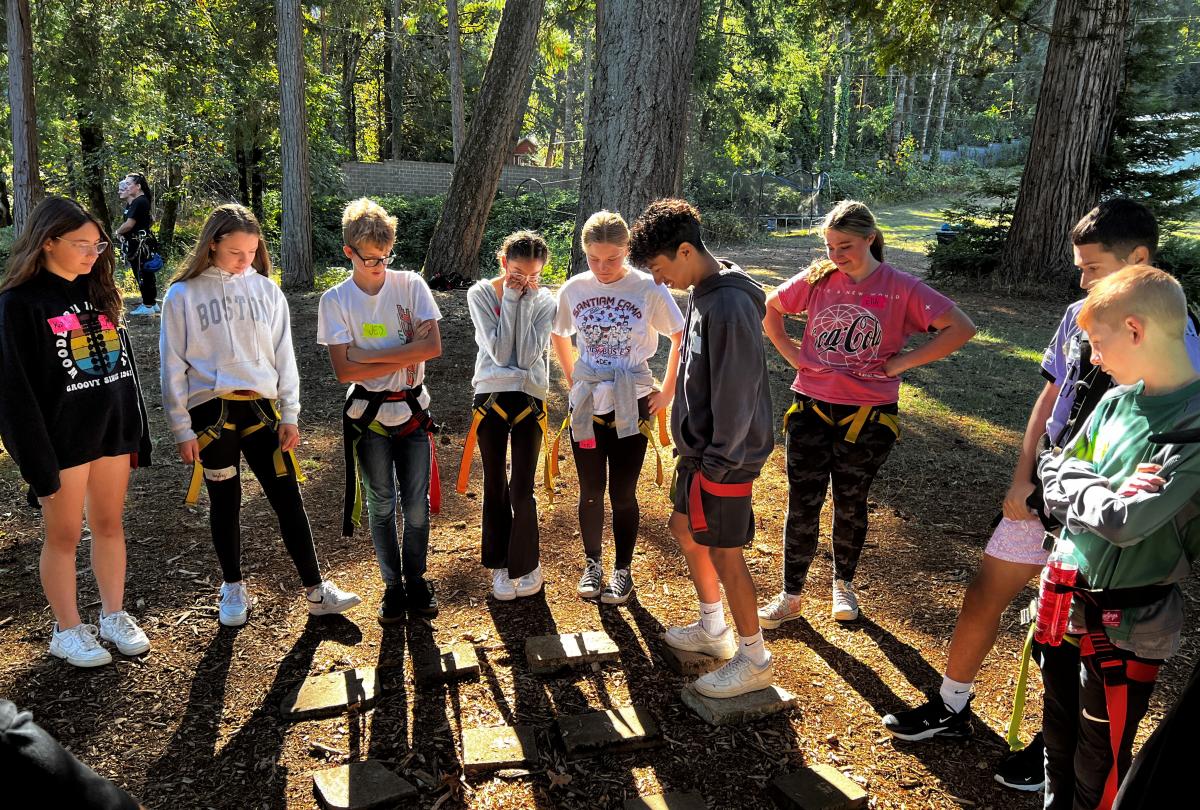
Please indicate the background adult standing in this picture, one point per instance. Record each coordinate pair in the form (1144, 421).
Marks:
(139, 241)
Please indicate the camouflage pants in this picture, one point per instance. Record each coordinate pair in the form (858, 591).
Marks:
(818, 454)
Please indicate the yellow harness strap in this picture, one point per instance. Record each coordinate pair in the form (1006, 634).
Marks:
(854, 423)
(211, 434)
(477, 416)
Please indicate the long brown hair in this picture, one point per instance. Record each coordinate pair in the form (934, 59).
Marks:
(853, 217)
(53, 217)
(224, 220)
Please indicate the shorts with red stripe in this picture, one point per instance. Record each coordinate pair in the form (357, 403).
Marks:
(726, 521)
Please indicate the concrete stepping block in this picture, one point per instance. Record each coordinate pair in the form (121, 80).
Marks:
(446, 664)
(740, 709)
(330, 694)
(687, 663)
(498, 747)
(360, 786)
(549, 654)
(628, 728)
(668, 801)
(817, 788)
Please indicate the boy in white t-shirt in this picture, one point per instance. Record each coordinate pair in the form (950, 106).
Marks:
(380, 327)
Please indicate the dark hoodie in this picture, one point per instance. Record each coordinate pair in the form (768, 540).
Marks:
(721, 420)
(69, 391)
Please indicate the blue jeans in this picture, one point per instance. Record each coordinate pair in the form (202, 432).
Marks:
(390, 467)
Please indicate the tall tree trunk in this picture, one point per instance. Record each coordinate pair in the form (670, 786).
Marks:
(91, 147)
(1072, 129)
(454, 247)
(458, 119)
(947, 81)
(840, 142)
(351, 48)
(896, 131)
(243, 172)
(257, 183)
(396, 85)
(933, 88)
(561, 89)
(568, 114)
(296, 200)
(385, 133)
(588, 66)
(170, 195)
(27, 181)
(638, 126)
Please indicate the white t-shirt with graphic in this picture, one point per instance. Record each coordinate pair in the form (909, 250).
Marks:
(386, 320)
(618, 324)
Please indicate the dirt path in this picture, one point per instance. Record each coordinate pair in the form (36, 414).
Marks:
(195, 724)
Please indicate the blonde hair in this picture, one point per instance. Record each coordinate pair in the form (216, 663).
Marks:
(852, 217)
(224, 220)
(365, 222)
(1140, 291)
(605, 228)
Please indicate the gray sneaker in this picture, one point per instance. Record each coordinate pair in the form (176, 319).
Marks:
(591, 581)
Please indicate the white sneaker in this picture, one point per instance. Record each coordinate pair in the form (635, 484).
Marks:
(783, 608)
(592, 580)
(503, 588)
(531, 583)
(78, 646)
(235, 604)
(845, 601)
(619, 588)
(141, 309)
(694, 638)
(331, 599)
(122, 630)
(737, 677)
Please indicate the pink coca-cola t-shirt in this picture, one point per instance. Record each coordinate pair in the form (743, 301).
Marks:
(853, 329)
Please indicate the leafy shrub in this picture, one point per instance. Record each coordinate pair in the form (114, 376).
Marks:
(981, 222)
(724, 227)
(6, 242)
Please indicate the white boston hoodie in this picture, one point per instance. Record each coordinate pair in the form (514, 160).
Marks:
(223, 332)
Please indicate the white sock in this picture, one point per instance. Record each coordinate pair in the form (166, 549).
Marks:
(754, 649)
(712, 618)
(955, 694)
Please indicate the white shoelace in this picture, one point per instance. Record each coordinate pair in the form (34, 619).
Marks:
(125, 624)
(620, 581)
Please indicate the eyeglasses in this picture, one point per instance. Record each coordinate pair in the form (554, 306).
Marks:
(86, 248)
(386, 261)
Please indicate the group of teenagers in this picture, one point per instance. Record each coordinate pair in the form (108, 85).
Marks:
(1100, 477)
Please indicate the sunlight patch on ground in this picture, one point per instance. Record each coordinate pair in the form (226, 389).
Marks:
(1008, 348)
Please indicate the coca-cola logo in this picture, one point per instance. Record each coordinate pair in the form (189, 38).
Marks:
(846, 335)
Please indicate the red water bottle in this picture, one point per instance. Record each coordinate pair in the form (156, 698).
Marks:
(1054, 600)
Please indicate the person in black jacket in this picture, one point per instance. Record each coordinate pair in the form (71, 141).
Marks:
(72, 416)
(721, 423)
(139, 241)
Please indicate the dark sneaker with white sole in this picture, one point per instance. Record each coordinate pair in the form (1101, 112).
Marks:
(1025, 769)
(421, 601)
(934, 719)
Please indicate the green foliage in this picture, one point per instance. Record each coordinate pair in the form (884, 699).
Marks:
(981, 222)
(6, 243)
(1180, 256)
(724, 227)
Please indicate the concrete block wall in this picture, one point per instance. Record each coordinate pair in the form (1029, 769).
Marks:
(414, 178)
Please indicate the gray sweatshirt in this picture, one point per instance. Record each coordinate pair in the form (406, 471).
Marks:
(221, 333)
(513, 334)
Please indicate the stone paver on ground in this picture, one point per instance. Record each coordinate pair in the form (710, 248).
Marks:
(740, 709)
(360, 786)
(627, 728)
(690, 664)
(549, 654)
(667, 801)
(330, 694)
(496, 747)
(456, 663)
(817, 788)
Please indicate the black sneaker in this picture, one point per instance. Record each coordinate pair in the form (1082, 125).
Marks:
(421, 601)
(391, 609)
(1025, 769)
(619, 588)
(934, 719)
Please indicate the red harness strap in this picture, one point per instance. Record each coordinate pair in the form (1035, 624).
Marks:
(1116, 672)
(696, 502)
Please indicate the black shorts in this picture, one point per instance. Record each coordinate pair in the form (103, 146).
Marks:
(730, 520)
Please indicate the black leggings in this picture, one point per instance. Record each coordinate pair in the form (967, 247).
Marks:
(146, 280)
(510, 520)
(617, 463)
(221, 463)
